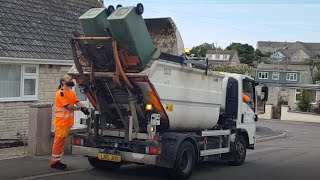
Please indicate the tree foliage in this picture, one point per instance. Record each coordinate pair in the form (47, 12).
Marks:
(233, 69)
(317, 76)
(247, 54)
(202, 49)
(304, 103)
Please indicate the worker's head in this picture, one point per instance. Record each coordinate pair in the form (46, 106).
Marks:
(66, 80)
(247, 86)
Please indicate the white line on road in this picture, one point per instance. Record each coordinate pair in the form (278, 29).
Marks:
(53, 174)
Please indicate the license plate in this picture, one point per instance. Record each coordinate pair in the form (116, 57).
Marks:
(109, 157)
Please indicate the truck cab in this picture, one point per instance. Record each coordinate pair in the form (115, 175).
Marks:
(240, 103)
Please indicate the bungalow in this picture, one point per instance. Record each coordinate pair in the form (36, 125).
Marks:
(34, 53)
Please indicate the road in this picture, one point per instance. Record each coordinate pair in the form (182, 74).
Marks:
(296, 157)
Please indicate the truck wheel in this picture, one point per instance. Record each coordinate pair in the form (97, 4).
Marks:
(99, 164)
(240, 152)
(185, 161)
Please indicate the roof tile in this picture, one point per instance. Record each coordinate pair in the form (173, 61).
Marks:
(40, 29)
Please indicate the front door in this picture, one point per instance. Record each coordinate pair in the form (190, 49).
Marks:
(248, 108)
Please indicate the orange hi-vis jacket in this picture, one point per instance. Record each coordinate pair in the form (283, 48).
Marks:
(246, 98)
(62, 116)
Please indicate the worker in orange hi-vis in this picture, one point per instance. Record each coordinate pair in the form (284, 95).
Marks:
(66, 103)
(247, 99)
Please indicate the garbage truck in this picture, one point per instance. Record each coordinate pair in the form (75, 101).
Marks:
(149, 104)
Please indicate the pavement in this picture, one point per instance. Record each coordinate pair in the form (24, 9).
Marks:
(16, 164)
(266, 134)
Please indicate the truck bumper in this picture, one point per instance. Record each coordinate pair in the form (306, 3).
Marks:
(126, 156)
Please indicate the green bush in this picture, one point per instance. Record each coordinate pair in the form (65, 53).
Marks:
(232, 69)
(304, 103)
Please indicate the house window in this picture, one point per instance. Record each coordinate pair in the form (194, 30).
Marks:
(225, 56)
(292, 77)
(263, 75)
(18, 82)
(217, 56)
(311, 93)
(275, 76)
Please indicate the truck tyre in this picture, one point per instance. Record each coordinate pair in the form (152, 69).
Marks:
(185, 161)
(240, 152)
(100, 164)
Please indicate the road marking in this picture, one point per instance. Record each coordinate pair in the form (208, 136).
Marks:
(53, 174)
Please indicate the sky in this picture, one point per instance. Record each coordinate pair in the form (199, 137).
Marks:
(245, 21)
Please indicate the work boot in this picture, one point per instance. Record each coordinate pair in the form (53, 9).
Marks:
(59, 166)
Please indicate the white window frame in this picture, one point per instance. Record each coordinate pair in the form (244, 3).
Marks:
(294, 75)
(275, 75)
(24, 76)
(260, 74)
(225, 56)
(217, 56)
(297, 92)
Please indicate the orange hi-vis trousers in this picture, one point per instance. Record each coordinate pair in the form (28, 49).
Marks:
(60, 137)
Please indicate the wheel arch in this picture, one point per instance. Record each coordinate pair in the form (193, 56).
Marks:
(170, 144)
(245, 135)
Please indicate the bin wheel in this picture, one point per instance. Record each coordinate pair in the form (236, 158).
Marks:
(139, 9)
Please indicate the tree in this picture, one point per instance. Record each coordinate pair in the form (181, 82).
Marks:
(233, 69)
(317, 76)
(304, 103)
(247, 54)
(199, 51)
(202, 49)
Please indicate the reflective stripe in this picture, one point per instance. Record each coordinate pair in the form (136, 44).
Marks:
(60, 109)
(64, 115)
(56, 155)
(56, 159)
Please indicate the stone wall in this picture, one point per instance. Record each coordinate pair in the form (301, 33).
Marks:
(272, 94)
(49, 82)
(14, 116)
(268, 112)
(288, 115)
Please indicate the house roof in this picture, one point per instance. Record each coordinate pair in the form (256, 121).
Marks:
(290, 52)
(273, 44)
(224, 52)
(288, 48)
(282, 66)
(38, 29)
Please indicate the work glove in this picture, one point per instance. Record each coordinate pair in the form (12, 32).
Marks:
(85, 110)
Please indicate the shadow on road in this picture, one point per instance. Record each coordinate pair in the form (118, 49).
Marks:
(148, 172)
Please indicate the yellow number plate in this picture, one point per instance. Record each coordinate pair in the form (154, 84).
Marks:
(109, 157)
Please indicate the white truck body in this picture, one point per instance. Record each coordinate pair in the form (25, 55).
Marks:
(194, 99)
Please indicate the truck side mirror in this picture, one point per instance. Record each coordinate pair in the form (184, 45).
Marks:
(264, 93)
